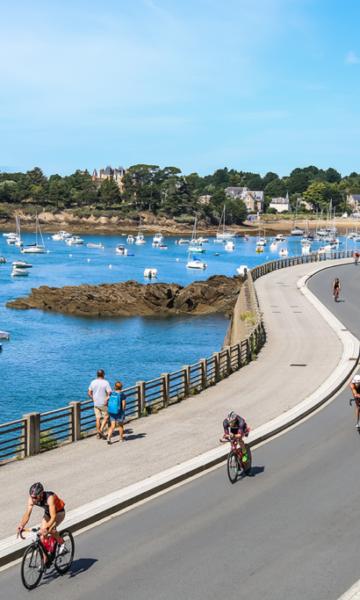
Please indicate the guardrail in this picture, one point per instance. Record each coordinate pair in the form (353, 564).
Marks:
(38, 432)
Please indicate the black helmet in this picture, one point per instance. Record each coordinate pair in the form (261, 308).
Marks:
(36, 489)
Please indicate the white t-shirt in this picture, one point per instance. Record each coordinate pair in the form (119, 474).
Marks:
(100, 389)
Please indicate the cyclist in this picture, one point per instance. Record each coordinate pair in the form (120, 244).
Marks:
(54, 512)
(355, 388)
(236, 426)
(336, 288)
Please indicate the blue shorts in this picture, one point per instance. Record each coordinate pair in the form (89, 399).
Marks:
(119, 419)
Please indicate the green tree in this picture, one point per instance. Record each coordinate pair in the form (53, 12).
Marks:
(109, 193)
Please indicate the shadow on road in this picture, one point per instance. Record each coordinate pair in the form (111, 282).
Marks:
(81, 565)
(255, 471)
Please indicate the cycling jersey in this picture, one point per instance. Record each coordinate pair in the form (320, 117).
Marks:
(238, 426)
(44, 502)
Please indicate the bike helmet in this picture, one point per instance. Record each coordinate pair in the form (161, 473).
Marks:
(356, 379)
(232, 416)
(36, 489)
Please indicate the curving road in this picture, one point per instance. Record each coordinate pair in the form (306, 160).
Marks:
(289, 532)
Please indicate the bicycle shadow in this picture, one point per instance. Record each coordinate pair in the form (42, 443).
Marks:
(255, 471)
(81, 565)
(78, 566)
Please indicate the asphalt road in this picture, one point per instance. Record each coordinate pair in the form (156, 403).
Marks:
(291, 531)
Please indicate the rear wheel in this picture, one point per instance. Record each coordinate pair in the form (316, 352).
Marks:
(233, 466)
(64, 559)
(32, 567)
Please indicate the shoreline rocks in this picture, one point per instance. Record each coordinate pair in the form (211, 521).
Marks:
(218, 294)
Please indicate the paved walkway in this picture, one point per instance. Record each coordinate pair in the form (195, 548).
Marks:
(267, 387)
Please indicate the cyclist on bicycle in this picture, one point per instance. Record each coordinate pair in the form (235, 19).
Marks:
(236, 426)
(336, 288)
(355, 388)
(54, 511)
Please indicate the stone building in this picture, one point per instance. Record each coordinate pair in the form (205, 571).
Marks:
(117, 174)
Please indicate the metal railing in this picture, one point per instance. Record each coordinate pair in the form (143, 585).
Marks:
(38, 432)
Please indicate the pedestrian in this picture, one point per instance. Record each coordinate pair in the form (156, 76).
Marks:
(336, 289)
(356, 257)
(99, 391)
(116, 409)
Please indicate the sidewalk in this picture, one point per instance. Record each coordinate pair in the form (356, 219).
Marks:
(296, 335)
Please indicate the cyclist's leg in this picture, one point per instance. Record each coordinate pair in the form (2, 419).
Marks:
(60, 516)
(357, 410)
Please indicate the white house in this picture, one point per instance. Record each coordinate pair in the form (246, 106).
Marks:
(280, 204)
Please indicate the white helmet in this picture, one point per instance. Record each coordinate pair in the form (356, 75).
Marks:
(356, 379)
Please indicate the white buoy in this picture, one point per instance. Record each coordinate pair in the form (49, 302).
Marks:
(70, 255)
(110, 266)
(177, 260)
(88, 259)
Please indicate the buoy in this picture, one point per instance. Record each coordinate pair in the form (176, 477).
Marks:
(110, 266)
(89, 259)
(177, 260)
(70, 255)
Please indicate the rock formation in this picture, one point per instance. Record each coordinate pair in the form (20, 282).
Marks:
(217, 294)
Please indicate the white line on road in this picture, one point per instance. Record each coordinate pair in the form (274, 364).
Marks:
(353, 593)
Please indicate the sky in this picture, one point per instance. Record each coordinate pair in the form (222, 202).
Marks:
(265, 85)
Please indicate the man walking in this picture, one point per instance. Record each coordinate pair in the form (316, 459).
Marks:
(99, 391)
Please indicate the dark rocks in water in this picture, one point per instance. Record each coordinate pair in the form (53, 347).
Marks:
(217, 294)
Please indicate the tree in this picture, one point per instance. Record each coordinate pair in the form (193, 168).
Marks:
(276, 189)
(109, 193)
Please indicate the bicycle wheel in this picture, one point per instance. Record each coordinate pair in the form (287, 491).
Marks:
(63, 561)
(233, 466)
(32, 567)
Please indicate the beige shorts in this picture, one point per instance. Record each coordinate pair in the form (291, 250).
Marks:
(101, 412)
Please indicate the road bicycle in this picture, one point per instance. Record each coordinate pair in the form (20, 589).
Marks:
(238, 463)
(44, 552)
(358, 425)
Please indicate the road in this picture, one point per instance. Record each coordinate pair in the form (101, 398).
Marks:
(289, 531)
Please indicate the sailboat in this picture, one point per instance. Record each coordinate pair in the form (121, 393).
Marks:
(195, 245)
(223, 235)
(35, 248)
(139, 239)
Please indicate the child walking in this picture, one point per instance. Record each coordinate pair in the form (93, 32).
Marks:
(116, 410)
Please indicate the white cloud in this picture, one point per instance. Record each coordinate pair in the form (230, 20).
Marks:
(352, 58)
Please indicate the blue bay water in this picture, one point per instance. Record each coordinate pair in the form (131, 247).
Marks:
(51, 358)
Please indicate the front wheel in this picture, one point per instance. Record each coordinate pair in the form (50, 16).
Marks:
(32, 567)
(64, 559)
(233, 466)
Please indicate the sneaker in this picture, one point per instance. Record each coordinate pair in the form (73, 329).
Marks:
(98, 436)
(108, 442)
(357, 426)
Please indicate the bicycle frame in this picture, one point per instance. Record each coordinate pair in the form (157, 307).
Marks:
(38, 543)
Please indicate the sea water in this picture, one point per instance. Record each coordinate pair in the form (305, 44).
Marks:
(51, 358)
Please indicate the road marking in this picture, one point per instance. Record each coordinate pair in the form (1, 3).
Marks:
(353, 593)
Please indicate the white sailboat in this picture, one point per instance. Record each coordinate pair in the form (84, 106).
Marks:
(223, 235)
(35, 248)
(195, 245)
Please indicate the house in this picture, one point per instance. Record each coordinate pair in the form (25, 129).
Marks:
(117, 174)
(204, 199)
(253, 200)
(353, 200)
(280, 204)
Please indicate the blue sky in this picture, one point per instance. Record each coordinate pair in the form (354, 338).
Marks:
(254, 85)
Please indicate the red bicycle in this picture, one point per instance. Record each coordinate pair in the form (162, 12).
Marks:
(238, 460)
(44, 552)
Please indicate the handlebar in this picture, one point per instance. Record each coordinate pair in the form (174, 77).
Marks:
(33, 530)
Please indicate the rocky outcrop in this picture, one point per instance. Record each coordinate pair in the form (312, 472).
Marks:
(217, 294)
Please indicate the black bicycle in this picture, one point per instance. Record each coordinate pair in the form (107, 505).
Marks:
(238, 463)
(43, 553)
(358, 424)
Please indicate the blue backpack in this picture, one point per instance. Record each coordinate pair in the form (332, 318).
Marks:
(115, 402)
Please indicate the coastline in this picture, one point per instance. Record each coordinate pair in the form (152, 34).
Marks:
(105, 225)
